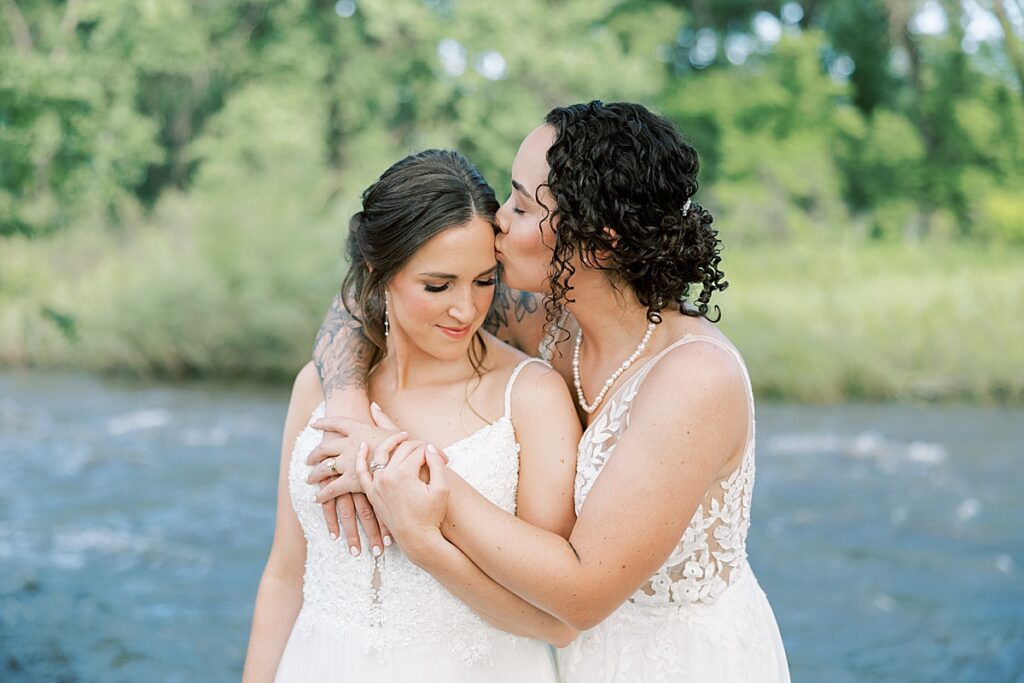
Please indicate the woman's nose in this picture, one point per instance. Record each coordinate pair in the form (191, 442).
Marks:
(501, 219)
(464, 310)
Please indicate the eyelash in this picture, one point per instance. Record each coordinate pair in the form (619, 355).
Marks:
(515, 209)
(440, 288)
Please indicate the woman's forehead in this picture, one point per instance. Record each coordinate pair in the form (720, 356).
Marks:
(468, 247)
(530, 168)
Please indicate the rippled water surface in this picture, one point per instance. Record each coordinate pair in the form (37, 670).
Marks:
(135, 520)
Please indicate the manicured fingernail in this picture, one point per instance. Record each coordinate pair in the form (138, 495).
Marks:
(363, 446)
(377, 551)
(374, 406)
(334, 536)
(432, 449)
(387, 541)
(354, 550)
(314, 499)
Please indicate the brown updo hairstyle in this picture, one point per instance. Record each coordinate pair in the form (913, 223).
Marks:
(620, 166)
(415, 199)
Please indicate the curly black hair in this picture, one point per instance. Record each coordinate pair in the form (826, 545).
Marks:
(620, 166)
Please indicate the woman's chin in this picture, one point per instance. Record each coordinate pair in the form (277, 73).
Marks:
(445, 347)
(451, 352)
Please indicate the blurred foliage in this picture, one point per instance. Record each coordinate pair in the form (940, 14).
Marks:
(835, 322)
(175, 177)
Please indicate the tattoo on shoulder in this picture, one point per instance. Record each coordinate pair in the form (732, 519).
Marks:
(341, 353)
(496, 321)
(526, 303)
(506, 305)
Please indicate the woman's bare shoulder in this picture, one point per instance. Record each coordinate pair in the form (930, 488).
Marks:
(534, 378)
(307, 392)
(502, 357)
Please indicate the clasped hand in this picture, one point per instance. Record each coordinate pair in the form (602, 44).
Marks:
(408, 495)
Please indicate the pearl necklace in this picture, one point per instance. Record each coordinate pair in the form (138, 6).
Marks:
(590, 408)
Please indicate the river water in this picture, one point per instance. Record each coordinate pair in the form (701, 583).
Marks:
(135, 520)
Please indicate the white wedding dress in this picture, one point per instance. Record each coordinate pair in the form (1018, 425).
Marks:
(702, 617)
(410, 628)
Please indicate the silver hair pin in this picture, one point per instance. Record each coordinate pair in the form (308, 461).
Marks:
(686, 208)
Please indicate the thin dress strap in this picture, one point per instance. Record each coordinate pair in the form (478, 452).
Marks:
(722, 345)
(512, 380)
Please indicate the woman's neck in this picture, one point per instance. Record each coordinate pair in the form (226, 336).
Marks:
(406, 366)
(613, 322)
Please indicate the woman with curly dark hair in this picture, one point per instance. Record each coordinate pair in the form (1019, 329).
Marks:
(603, 220)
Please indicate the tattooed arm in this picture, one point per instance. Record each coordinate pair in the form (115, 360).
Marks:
(342, 356)
(516, 318)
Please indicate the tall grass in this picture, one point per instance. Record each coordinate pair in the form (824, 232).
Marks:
(232, 287)
(235, 285)
(832, 322)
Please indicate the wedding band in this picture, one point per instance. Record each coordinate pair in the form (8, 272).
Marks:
(374, 466)
(331, 467)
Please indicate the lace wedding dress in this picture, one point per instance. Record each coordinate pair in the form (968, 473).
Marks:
(385, 619)
(702, 617)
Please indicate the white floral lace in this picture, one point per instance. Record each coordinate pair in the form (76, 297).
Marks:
(702, 616)
(643, 644)
(409, 606)
(712, 553)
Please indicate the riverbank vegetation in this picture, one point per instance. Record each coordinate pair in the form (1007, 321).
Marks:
(176, 178)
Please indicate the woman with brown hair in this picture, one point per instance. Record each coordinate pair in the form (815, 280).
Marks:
(603, 222)
(422, 274)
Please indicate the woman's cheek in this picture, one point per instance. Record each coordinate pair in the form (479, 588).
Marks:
(424, 307)
(483, 301)
(418, 308)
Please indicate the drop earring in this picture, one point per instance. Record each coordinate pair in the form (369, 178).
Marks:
(387, 322)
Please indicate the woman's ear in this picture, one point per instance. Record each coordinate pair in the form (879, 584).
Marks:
(603, 255)
(612, 236)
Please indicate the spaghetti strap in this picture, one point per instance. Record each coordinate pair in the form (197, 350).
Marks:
(512, 380)
(722, 345)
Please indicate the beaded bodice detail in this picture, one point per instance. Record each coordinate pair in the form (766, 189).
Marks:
(408, 606)
(712, 553)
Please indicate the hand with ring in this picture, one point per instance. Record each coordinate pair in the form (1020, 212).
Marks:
(341, 442)
(345, 507)
(409, 492)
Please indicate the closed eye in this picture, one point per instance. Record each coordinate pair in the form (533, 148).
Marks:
(515, 209)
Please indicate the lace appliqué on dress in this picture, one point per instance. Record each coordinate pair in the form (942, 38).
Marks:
(702, 616)
(712, 553)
